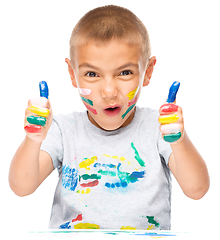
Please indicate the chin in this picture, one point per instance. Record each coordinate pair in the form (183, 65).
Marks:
(110, 128)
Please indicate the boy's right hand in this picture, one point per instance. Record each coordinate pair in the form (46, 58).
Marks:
(38, 115)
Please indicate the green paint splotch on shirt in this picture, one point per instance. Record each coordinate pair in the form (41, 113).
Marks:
(137, 156)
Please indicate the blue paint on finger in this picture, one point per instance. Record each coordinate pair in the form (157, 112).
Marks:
(173, 91)
(44, 91)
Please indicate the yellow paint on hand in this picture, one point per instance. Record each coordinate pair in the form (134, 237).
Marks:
(43, 112)
(88, 162)
(86, 226)
(128, 228)
(166, 119)
(132, 94)
(115, 157)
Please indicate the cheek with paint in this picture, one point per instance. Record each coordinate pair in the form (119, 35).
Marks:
(132, 97)
(86, 92)
(89, 102)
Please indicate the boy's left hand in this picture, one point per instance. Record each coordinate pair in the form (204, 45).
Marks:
(171, 117)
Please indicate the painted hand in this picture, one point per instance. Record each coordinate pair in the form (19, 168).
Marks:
(38, 115)
(171, 117)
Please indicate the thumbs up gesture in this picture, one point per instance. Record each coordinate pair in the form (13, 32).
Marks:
(171, 117)
(38, 115)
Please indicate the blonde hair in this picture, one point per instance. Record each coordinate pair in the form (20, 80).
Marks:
(111, 22)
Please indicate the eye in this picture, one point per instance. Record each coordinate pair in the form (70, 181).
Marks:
(91, 74)
(125, 73)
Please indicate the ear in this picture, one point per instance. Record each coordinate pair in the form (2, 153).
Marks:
(149, 71)
(71, 72)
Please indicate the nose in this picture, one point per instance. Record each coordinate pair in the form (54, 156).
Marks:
(109, 89)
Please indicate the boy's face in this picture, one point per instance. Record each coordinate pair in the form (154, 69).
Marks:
(109, 78)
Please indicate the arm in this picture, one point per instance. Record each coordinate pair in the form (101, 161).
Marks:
(185, 162)
(189, 169)
(30, 166)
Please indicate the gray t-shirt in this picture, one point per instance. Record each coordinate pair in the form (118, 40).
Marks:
(110, 179)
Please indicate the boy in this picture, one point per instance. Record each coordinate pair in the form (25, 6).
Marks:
(114, 165)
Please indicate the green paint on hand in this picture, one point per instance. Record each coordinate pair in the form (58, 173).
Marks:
(90, 102)
(137, 156)
(172, 137)
(37, 120)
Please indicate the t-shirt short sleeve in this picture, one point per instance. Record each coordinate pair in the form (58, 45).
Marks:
(53, 145)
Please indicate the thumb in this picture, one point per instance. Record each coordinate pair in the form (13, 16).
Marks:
(44, 91)
(172, 92)
(41, 101)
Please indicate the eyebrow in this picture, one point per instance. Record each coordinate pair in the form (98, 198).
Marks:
(128, 65)
(87, 65)
(121, 67)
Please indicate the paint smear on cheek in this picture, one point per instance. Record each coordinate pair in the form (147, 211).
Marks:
(132, 102)
(90, 102)
(133, 93)
(91, 109)
(85, 91)
(128, 110)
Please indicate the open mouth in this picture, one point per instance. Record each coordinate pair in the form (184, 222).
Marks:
(112, 111)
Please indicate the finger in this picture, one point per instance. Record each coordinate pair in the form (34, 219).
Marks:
(172, 92)
(168, 108)
(40, 102)
(42, 112)
(33, 128)
(166, 119)
(37, 120)
(170, 128)
(44, 90)
(36, 103)
(172, 137)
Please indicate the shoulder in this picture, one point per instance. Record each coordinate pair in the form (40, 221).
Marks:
(69, 118)
(66, 123)
(147, 114)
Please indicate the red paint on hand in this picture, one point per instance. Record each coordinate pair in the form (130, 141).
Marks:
(32, 128)
(169, 108)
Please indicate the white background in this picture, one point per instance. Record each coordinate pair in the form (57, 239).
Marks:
(34, 42)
